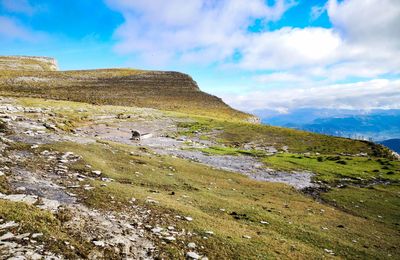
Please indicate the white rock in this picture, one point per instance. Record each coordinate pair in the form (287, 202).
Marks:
(189, 218)
(192, 245)
(20, 189)
(264, 222)
(99, 243)
(152, 201)
(246, 236)
(98, 173)
(156, 230)
(170, 238)
(192, 255)
(36, 235)
(329, 251)
(209, 233)
(7, 236)
(28, 199)
(10, 224)
(1, 173)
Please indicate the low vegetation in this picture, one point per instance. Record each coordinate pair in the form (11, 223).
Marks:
(238, 134)
(334, 168)
(297, 225)
(34, 220)
(354, 213)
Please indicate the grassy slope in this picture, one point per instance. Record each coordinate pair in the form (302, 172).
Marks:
(276, 203)
(297, 223)
(168, 91)
(334, 168)
(237, 134)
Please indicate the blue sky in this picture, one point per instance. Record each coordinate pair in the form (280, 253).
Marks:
(255, 54)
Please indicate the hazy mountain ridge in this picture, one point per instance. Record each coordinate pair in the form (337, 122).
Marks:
(377, 125)
(393, 144)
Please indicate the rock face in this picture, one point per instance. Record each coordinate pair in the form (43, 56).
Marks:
(165, 90)
(28, 63)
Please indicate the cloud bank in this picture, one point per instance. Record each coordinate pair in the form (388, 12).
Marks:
(363, 43)
(373, 94)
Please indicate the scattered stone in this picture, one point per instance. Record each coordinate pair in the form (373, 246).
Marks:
(99, 243)
(152, 201)
(329, 251)
(98, 173)
(191, 245)
(1, 173)
(7, 225)
(209, 233)
(246, 236)
(157, 230)
(188, 218)
(264, 222)
(7, 236)
(170, 238)
(36, 235)
(21, 189)
(192, 255)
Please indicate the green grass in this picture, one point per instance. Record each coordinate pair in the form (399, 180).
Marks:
(335, 168)
(119, 87)
(379, 203)
(221, 150)
(237, 134)
(296, 221)
(34, 220)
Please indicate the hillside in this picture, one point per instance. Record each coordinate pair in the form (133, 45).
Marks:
(196, 185)
(36, 77)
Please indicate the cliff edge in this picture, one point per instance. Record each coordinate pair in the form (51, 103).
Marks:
(165, 90)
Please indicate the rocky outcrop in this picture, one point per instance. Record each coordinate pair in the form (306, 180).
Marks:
(29, 63)
(165, 90)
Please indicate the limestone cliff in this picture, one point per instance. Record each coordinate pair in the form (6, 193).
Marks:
(166, 90)
(28, 63)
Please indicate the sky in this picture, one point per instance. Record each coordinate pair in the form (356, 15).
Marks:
(255, 54)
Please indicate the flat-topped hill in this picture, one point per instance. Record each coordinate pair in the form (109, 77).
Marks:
(28, 63)
(129, 87)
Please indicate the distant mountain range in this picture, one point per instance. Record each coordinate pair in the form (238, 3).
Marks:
(375, 125)
(393, 144)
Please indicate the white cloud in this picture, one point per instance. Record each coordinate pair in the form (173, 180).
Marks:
(367, 22)
(191, 31)
(281, 77)
(364, 42)
(11, 29)
(378, 93)
(290, 47)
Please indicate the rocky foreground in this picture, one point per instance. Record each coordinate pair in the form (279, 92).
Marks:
(53, 186)
(146, 166)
